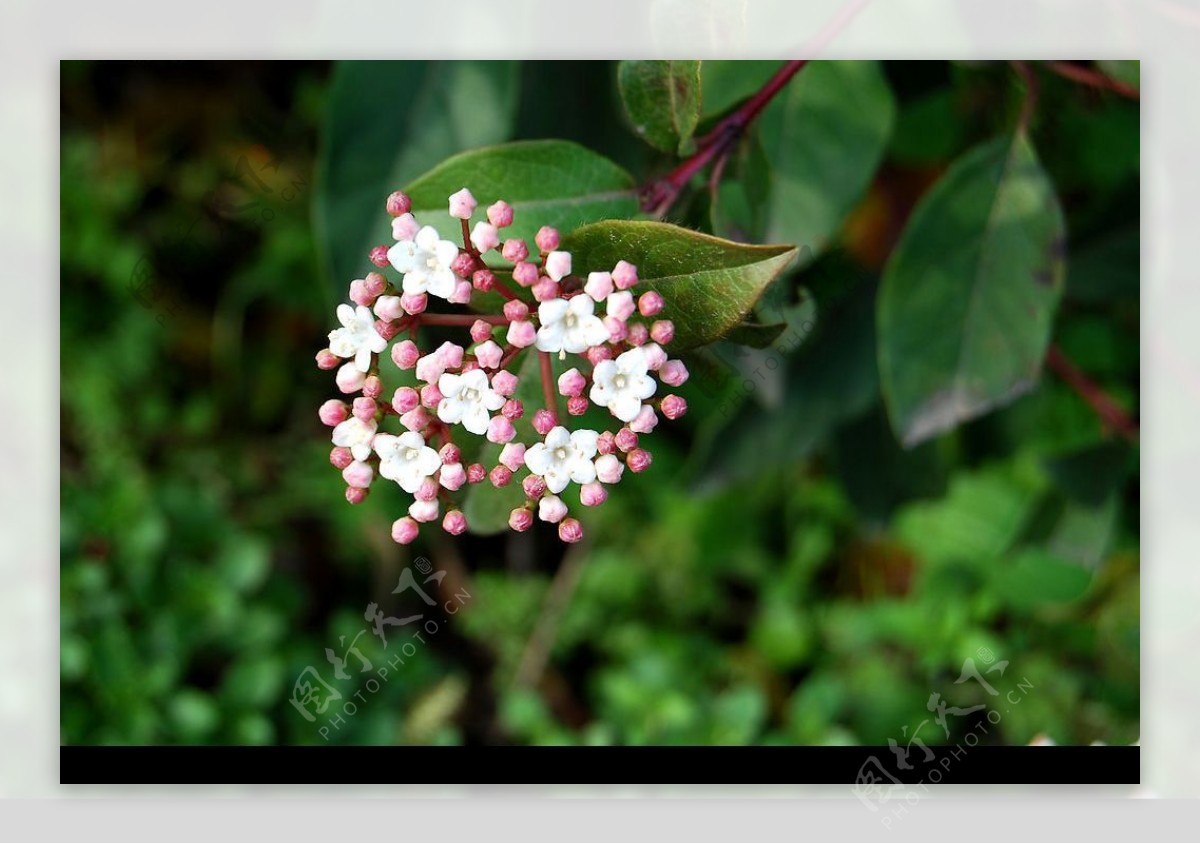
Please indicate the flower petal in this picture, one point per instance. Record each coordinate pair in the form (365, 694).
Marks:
(537, 458)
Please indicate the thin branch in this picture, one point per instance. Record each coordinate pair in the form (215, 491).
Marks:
(1031, 94)
(537, 649)
(547, 370)
(1110, 413)
(1094, 79)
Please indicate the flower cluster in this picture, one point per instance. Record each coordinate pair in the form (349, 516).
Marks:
(613, 335)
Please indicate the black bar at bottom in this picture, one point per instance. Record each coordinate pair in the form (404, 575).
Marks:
(597, 765)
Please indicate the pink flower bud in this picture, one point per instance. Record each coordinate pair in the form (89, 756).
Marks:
(356, 495)
(500, 214)
(463, 265)
(514, 250)
(488, 353)
(372, 387)
(663, 331)
(504, 382)
(513, 455)
(462, 204)
(349, 379)
(431, 395)
(485, 236)
(545, 290)
(450, 453)
(431, 367)
(358, 293)
(452, 476)
(341, 457)
(424, 511)
(605, 444)
(327, 359)
(673, 407)
(405, 530)
(333, 412)
(416, 419)
(476, 473)
(619, 305)
(386, 330)
(414, 303)
(593, 494)
(534, 486)
(673, 372)
(398, 203)
(624, 275)
(558, 265)
(500, 476)
(405, 354)
(481, 331)
(571, 382)
(513, 409)
(500, 430)
(570, 531)
(521, 333)
(520, 519)
(599, 286)
(405, 227)
(462, 293)
(551, 509)
(484, 280)
(618, 330)
(638, 334)
(625, 439)
(654, 356)
(375, 284)
(546, 239)
(577, 405)
(598, 353)
(650, 303)
(379, 256)
(451, 354)
(638, 460)
(365, 408)
(455, 522)
(608, 468)
(645, 421)
(358, 474)
(515, 309)
(525, 273)
(543, 421)
(405, 399)
(427, 491)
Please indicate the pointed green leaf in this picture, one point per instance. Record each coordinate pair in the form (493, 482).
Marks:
(548, 183)
(433, 109)
(709, 284)
(662, 99)
(969, 293)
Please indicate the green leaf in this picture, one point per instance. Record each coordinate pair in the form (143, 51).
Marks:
(756, 335)
(969, 293)
(1036, 577)
(726, 83)
(662, 99)
(548, 183)
(709, 284)
(387, 122)
(1127, 71)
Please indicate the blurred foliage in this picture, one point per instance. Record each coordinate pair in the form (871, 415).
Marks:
(785, 573)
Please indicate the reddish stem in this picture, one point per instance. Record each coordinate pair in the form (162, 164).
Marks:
(548, 394)
(1094, 79)
(461, 319)
(1110, 413)
(658, 197)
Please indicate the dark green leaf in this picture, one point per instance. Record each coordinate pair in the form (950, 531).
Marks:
(1128, 71)
(386, 123)
(709, 284)
(662, 99)
(970, 292)
(755, 334)
(548, 183)
(1036, 577)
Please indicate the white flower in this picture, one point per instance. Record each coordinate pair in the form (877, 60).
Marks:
(355, 435)
(621, 384)
(468, 398)
(564, 457)
(569, 325)
(357, 338)
(425, 262)
(406, 459)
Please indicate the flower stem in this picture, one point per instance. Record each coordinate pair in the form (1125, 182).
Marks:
(461, 319)
(657, 197)
(1094, 79)
(548, 394)
(1110, 413)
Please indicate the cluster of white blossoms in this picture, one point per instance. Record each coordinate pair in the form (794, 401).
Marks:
(548, 311)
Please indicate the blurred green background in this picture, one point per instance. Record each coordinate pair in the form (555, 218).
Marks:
(785, 573)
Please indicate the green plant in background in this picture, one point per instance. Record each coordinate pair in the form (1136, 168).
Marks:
(877, 478)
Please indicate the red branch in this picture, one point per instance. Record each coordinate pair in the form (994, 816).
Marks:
(1094, 79)
(1110, 413)
(658, 196)
(547, 368)
(461, 319)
